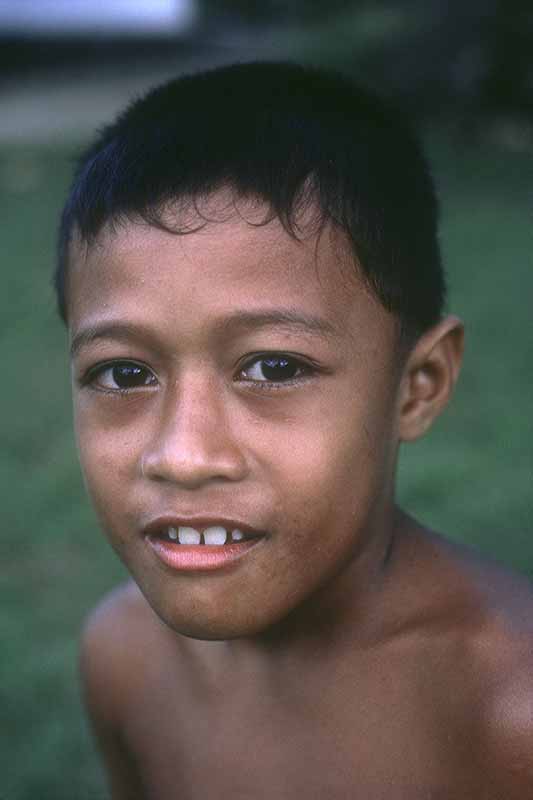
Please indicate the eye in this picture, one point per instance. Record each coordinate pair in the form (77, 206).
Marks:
(121, 376)
(275, 368)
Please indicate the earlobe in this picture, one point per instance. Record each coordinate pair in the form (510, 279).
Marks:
(429, 377)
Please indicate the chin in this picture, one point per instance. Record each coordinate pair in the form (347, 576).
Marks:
(208, 623)
(210, 630)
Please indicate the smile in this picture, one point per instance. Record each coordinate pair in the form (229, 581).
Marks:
(203, 547)
(216, 535)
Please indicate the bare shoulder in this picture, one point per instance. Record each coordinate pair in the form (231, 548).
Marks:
(488, 607)
(496, 599)
(504, 658)
(115, 638)
(445, 582)
(488, 604)
(119, 613)
(505, 742)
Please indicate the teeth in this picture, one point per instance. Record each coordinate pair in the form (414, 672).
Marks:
(215, 535)
(188, 536)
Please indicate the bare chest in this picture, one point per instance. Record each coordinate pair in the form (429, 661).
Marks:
(379, 742)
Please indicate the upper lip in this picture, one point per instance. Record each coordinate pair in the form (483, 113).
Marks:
(200, 523)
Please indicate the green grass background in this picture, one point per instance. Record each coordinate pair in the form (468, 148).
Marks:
(471, 477)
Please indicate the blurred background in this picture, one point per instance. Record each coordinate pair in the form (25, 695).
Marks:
(464, 73)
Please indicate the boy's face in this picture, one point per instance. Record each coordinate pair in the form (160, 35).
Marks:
(190, 402)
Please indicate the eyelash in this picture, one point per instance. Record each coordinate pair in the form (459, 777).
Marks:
(91, 376)
(305, 369)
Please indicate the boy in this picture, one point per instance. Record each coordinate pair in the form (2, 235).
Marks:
(251, 280)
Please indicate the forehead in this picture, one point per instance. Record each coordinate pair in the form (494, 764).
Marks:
(237, 261)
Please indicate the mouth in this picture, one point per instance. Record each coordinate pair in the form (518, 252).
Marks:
(196, 545)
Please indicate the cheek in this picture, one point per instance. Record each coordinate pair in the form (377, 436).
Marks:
(108, 428)
(107, 455)
(327, 481)
(333, 472)
(344, 447)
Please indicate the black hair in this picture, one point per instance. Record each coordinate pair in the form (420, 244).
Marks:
(285, 134)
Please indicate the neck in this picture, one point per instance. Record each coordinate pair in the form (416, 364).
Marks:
(347, 613)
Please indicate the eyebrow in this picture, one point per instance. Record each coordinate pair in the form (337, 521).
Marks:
(119, 331)
(280, 317)
(285, 318)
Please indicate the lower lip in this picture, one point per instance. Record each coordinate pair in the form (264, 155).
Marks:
(194, 558)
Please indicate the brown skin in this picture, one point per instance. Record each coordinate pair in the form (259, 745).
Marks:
(351, 653)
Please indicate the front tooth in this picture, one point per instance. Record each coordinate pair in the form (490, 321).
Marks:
(172, 533)
(188, 535)
(237, 535)
(215, 535)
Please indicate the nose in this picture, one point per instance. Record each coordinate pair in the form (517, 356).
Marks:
(193, 441)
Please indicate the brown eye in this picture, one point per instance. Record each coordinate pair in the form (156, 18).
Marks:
(123, 375)
(274, 368)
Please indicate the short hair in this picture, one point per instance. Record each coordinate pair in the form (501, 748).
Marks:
(288, 135)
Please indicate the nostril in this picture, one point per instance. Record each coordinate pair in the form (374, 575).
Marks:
(192, 470)
(191, 449)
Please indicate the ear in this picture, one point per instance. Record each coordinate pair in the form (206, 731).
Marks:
(429, 377)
